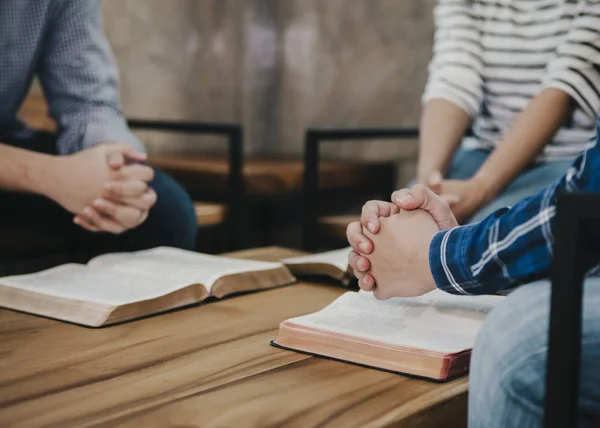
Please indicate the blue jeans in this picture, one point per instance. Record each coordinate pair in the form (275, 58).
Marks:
(535, 178)
(508, 365)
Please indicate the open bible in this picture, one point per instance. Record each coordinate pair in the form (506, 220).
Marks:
(122, 286)
(430, 336)
(332, 264)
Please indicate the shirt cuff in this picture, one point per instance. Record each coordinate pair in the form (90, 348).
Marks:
(448, 260)
(98, 132)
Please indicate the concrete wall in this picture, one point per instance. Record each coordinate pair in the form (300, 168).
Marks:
(276, 66)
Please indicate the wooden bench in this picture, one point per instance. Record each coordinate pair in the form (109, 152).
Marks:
(207, 365)
(262, 175)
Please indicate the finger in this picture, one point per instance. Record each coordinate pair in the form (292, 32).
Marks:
(119, 154)
(135, 172)
(367, 283)
(372, 210)
(358, 241)
(435, 182)
(358, 263)
(144, 202)
(134, 155)
(117, 190)
(380, 294)
(450, 198)
(81, 222)
(115, 160)
(128, 217)
(423, 198)
(105, 224)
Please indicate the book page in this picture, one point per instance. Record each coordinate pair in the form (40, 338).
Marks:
(337, 258)
(179, 266)
(437, 321)
(94, 284)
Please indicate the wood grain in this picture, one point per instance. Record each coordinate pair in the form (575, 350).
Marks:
(209, 366)
(56, 373)
(315, 392)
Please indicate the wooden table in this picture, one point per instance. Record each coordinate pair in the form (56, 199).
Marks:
(208, 366)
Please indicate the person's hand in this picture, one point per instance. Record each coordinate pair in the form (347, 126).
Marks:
(400, 258)
(419, 197)
(100, 176)
(465, 197)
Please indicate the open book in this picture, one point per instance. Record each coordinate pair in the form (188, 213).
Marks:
(430, 336)
(123, 286)
(333, 264)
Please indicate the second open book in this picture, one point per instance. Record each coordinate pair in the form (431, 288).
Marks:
(430, 336)
(124, 286)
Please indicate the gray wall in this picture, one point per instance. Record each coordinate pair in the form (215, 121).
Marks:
(276, 66)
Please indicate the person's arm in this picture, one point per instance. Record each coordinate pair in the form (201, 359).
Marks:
(25, 171)
(511, 246)
(573, 80)
(80, 80)
(454, 88)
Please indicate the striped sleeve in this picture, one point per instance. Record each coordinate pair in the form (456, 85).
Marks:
(576, 68)
(455, 69)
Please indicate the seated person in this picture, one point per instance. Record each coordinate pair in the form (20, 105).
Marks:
(88, 180)
(422, 247)
(526, 77)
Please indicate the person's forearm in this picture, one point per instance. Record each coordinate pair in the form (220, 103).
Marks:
(511, 246)
(25, 171)
(531, 131)
(443, 125)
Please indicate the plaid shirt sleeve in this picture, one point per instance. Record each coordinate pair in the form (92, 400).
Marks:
(513, 245)
(79, 77)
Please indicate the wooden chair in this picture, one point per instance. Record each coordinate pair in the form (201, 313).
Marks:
(334, 226)
(225, 217)
(574, 212)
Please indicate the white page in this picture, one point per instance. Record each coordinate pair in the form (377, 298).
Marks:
(437, 321)
(337, 258)
(179, 266)
(93, 284)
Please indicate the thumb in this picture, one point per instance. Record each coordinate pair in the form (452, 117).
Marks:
(423, 198)
(119, 154)
(435, 182)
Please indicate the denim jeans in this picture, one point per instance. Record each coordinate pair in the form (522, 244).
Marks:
(171, 221)
(508, 366)
(535, 178)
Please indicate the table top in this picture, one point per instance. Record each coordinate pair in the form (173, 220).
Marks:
(208, 365)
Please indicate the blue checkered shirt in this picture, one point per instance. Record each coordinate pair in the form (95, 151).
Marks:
(62, 43)
(513, 245)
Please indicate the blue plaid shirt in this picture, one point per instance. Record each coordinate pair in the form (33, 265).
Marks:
(511, 246)
(63, 43)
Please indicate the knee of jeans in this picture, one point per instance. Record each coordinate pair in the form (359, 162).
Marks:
(511, 348)
(173, 218)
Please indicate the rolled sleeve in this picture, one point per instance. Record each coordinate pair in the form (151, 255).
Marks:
(80, 79)
(576, 68)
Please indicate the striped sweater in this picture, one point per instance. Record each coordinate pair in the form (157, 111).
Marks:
(491, 57)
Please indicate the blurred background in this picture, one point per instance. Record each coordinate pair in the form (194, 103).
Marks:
(274, 66)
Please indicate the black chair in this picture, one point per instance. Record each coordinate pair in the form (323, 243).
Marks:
(236, 221)
(310, 197)
(574, 212)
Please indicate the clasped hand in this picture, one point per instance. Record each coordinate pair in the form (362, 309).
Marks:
(104, 187)
(390, 255)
